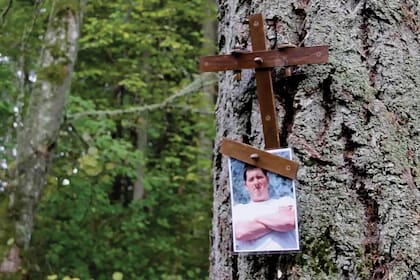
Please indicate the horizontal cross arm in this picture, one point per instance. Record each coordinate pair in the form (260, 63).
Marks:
(265, 59)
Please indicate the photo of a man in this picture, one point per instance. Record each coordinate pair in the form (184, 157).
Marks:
(263, 212)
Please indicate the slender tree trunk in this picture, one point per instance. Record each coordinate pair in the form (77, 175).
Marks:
(354, 127)
(42, 122)
(141, 144)
(210, 91)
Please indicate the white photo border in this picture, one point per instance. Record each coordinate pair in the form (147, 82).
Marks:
(280, 187)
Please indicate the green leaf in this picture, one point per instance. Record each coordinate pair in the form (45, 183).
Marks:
(117, 275)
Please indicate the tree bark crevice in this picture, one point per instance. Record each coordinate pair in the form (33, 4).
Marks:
(299, 9)
(374, 258)
(366, 44)
(286, 89)
(328, 104)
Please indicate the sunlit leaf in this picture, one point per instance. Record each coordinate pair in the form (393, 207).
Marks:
(117, 275)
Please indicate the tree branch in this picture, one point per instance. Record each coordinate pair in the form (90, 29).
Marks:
(5, 12)
(199, 82)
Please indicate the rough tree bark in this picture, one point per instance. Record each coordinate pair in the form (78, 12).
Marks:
(41, 124)
(354, 125)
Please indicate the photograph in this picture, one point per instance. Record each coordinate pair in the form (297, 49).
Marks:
(264, 210)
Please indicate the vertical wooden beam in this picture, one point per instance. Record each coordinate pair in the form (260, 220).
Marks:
(264, 85)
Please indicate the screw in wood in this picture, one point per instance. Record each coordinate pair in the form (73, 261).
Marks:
(254, 156)
(258, 60)
(238, 75)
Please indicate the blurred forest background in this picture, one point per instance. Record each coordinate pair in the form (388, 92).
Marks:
(129, 189)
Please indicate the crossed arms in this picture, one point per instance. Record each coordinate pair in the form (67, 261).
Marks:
(281, 220)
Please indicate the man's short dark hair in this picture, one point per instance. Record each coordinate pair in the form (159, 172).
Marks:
(249, 167)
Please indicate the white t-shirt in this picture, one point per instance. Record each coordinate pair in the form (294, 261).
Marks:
(273, 241)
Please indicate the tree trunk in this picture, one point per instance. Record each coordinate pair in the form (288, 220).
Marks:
(42, 121)
(141, 144)
(354, 127)
(209, 91)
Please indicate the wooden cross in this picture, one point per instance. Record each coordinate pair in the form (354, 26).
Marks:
(263, 61)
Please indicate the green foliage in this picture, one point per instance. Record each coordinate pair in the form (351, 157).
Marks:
(6, 230)
(21, 34)
(132, 53)
(84, 233)
(88, 225)
(8, 92)
(7, 95)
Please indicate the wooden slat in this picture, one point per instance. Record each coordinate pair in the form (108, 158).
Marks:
(279, 165)
(267, 108)
(256, 30)
(264, 85)
(272, 58)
